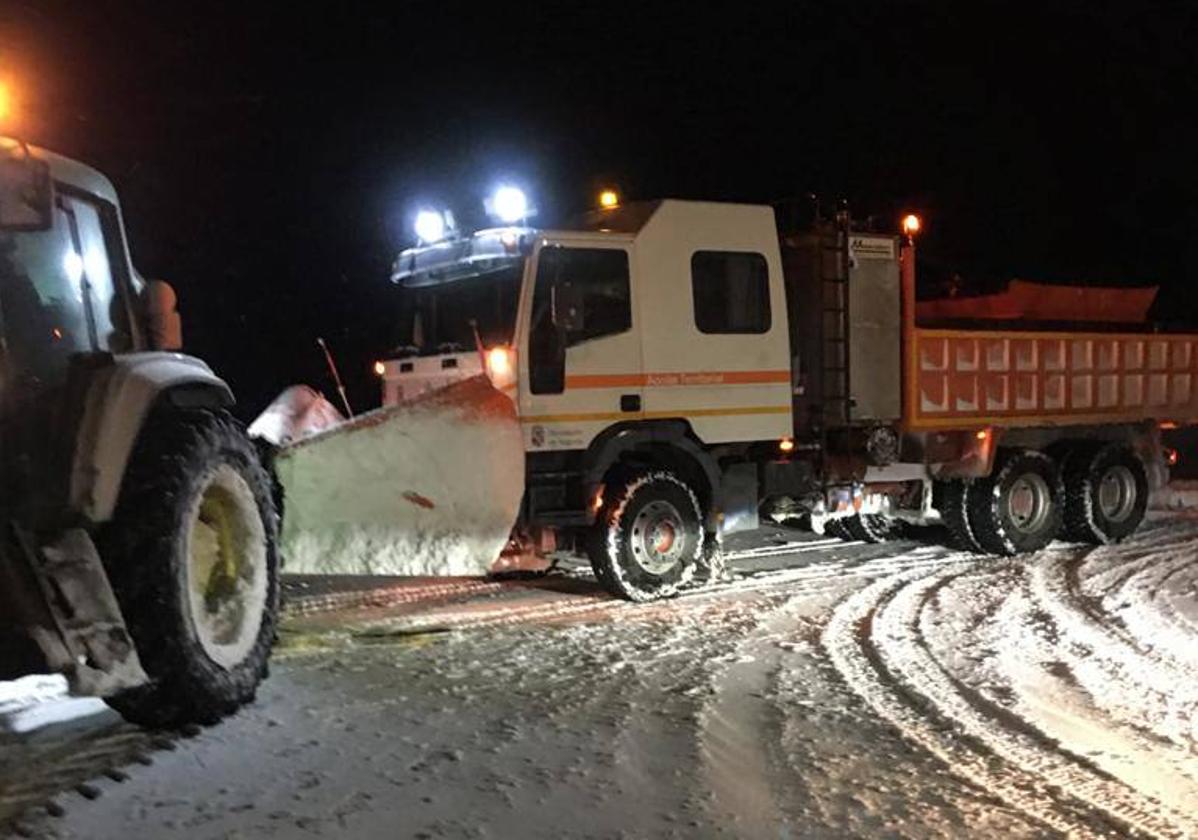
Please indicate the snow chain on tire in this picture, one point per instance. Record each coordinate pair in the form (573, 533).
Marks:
(838, 529)
(1087, 518)
(617, 549)
(712, 566)
(992, 517)
(871, 528)
(189, 464)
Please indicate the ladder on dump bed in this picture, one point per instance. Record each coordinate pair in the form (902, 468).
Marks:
(834, 288)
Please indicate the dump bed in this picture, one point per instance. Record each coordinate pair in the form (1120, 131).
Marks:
(966, 378)
(848, 336)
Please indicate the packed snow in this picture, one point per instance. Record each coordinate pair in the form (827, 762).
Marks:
(33, 702)
(828, 690)
(430, 487)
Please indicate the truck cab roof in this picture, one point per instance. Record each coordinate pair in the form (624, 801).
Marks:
(474, 254)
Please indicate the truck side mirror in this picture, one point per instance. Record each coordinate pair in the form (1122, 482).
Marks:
(567, 307)
(26, 193)
(163, 324)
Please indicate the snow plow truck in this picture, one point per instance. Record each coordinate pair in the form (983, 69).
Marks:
(645, 384)
(138, 556)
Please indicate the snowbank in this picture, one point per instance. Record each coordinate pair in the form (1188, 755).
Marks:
(41, 700)
(1176, 495)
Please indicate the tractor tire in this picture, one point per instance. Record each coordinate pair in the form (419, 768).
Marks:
(192, 555)
(954, 512)
(871, 528)
(1106, 493)
(648, 540)
(1020, 506)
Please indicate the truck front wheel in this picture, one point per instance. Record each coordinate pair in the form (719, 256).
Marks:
(1018, 508)
(192, 556)
(1106, 493)
(648, 539)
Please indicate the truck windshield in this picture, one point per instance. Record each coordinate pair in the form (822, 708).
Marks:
(436, 319)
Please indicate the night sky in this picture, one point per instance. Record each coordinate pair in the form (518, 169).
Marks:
(268, 161)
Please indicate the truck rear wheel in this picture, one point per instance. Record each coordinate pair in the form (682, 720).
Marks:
(1106, 493)
(192, 556)
(648, 539)
(954, 512)
(1018, 508)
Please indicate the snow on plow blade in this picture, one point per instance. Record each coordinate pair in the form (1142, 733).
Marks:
(427, 487)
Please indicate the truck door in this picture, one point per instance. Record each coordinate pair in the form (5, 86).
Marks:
(581, 369)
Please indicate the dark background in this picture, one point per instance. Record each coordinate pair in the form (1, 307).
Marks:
(269, 160)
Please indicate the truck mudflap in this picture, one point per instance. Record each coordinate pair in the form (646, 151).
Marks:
(59, 597)
(431, 486)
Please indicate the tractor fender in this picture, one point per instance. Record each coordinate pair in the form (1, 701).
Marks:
(117, 402)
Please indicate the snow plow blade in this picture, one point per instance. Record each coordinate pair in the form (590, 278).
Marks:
(427, 487)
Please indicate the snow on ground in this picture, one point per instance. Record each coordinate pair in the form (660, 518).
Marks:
(831, 690)
(1074, 668)
(33, 702)
(1178, 495)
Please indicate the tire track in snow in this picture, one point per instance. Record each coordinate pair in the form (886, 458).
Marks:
(742, 724)
(903, 631)
(733, 725)
(874, 640)
(534, 604)
(1144, 602)
(1032, 668)
(36, 772)
(1134, 683)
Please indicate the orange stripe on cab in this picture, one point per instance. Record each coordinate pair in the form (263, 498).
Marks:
(676, 379)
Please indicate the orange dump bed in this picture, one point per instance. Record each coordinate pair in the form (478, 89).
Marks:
(965, 378)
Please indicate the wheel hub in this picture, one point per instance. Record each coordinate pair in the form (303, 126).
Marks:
(1029, 502)
(657, 537)
(226, 568)
(1117, 493)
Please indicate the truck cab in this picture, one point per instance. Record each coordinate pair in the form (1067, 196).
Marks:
(632, 319)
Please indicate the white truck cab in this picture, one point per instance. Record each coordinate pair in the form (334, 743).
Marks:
(635, 320)
(656, 334)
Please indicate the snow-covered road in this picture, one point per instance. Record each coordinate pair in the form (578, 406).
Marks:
(830, 690)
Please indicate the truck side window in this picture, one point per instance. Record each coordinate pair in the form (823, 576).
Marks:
(731, 292)
(595, 277)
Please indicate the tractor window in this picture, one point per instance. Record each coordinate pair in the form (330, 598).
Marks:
(596, 279)
(98, 274)
(41, 302)
(731, 292)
